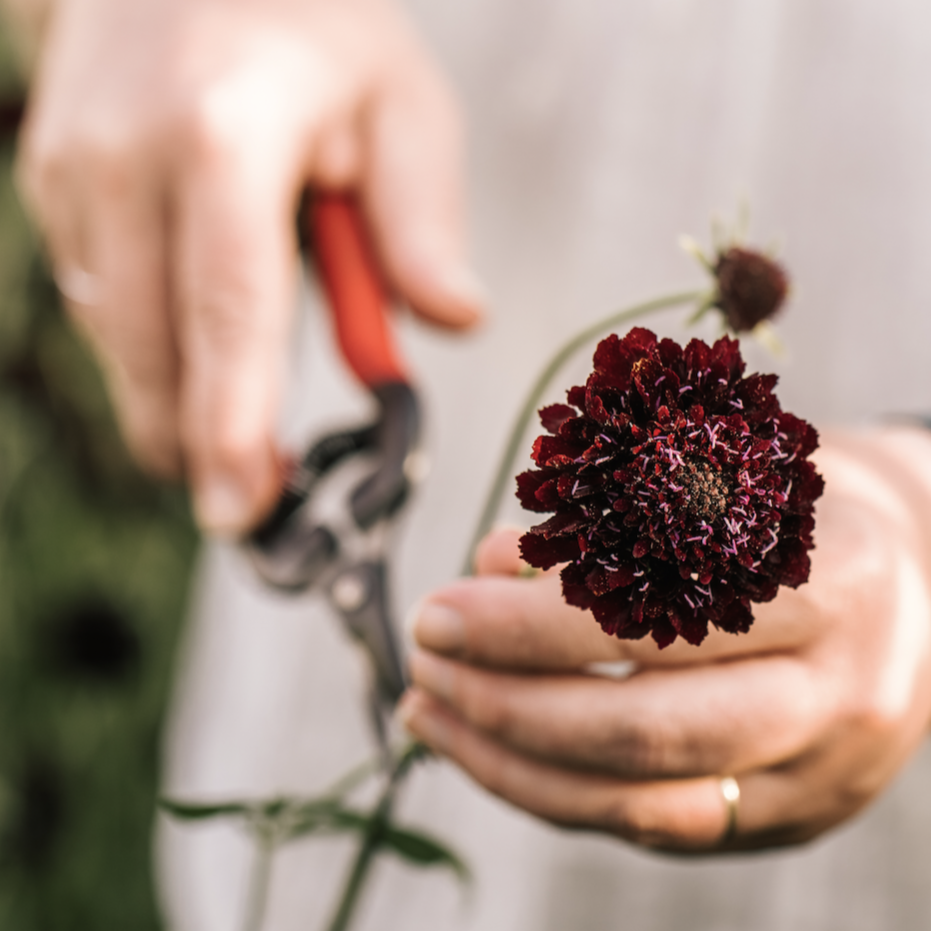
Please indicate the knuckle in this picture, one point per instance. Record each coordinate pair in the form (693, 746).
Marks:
(664, 821)
(522, 630)
(641, 750)
(154, 445)
(636, 822)
(870, 713)
(870, 703)
(39, 164)
(231, 337)
(229, 446)
(212, 126)
(339, 157)
(111, 160)
(855, 795)
(101, 148)
(488, 709)
(495, 775)
(507, 776)
(41, 167)
(41, 139)
(224, 316)
(855, 564)
(218, 436)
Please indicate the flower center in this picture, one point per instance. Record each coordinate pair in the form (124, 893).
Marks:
(708, 490)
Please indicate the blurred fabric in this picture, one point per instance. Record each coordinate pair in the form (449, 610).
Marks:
(94, 565)
(600, 131)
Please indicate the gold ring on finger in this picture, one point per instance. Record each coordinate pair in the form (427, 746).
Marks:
(730, 792)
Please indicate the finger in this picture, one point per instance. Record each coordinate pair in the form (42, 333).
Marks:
(681, 814)
(514, 622)
(412, 194)
(776, 807)
(129, 324)
(336, 161)
(234, 272)
(656, 724)
(504, 621)
(524, 623)
(105, 232)
(40, 172)
(49, 185)
(499, 553)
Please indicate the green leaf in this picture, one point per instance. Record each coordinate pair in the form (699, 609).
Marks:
(192, 812)
(312, 816)
(328, 815)
(347, 819)
(422, 849)
(316, 808)
(273, 808)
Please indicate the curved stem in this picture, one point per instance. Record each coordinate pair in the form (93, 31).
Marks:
(506, 465)
(361, 866)
(258, 884)
(372, 839)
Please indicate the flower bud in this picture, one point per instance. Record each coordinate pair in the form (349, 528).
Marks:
(751, 287)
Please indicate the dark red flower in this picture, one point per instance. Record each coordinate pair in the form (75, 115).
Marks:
(682, 491)
(751, 287)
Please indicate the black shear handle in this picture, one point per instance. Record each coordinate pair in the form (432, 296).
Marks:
(396, 435)
(289, 551)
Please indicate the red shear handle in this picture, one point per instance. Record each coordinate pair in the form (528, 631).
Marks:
(354, 289)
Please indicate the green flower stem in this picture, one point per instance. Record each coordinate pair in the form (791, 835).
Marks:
(353, 778)
(505, 471)
(259, 882)
(370, 843)
(372, 840)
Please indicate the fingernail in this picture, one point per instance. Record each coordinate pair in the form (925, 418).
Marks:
(462, 285)
(222, 507)
(433, 674)
(421, 723)
(439, 627)
(411, 618)
(406, 710)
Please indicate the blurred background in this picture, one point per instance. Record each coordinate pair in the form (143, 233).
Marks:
(599, 132)
(94, 566)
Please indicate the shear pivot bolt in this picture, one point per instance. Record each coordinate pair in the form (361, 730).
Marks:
(349, 592)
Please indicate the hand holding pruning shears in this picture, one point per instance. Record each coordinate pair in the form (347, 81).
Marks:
(166, 145)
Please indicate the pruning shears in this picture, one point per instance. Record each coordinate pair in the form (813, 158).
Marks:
(296, 550)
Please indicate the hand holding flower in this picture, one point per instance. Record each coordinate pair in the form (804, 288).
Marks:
(814, 710)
